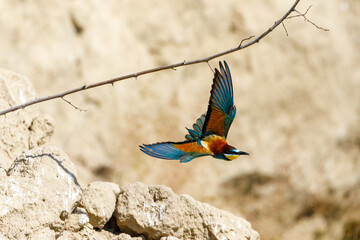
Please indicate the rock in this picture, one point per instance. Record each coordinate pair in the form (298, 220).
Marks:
(99, 199)
(24, 129)
(77, 220)
(157, 212)
(42, 234)
(139, 238)
(2, 236)
(65, 235)
(15, 89)
(41, 130)
(169, 238)
(124, 236)
(2, 172)
(89, 233)
(40, 187)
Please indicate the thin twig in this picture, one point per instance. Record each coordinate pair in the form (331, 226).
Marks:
(152, 70)
(299, 14)
(210, 67)
(285, 29)
(306, 19)
(77, 108)
(245, 39)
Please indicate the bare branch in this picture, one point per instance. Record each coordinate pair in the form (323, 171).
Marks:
(152, 70)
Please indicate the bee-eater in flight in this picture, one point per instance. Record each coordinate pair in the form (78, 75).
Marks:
(208, 136)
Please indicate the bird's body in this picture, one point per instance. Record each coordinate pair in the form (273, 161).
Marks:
(208, 136)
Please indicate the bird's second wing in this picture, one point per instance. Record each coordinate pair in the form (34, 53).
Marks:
(183, 151)
(196, 132)
(221, 110)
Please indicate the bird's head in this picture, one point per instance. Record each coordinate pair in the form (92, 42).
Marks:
(233, 153)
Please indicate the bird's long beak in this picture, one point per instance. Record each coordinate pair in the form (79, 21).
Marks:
(243, 153)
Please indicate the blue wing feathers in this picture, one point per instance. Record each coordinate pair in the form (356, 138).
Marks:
(196, 128)
(200, 121)
(192, 134)
(162, 150)
(226, 73)
(222, 94)
(196, 132)
(222, 99)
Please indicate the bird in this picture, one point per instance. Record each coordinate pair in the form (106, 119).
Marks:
(209, 133)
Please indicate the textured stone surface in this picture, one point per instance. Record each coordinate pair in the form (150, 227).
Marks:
(42, 234)
(24, 129)
(89, 233)
(169, 238)
(40, 187)
(156, 212)
(76, 220)
(124, 236)
(99, 199)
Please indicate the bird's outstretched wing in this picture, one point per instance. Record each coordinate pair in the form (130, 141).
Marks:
(221, 110)
(183, 151)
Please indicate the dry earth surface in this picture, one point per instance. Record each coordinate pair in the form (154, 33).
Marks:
(297, 96)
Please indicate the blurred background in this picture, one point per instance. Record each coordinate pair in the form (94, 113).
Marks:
(297, 96)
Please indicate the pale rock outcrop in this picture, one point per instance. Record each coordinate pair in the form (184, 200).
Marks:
(99, 199)
(42, 234)
(40, 186)
(76, 220)
(156, 212)
(24, 129)
(124, 236)
(169, 238)
(89, 233)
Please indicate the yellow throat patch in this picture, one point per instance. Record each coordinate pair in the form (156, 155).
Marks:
(231, 156)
